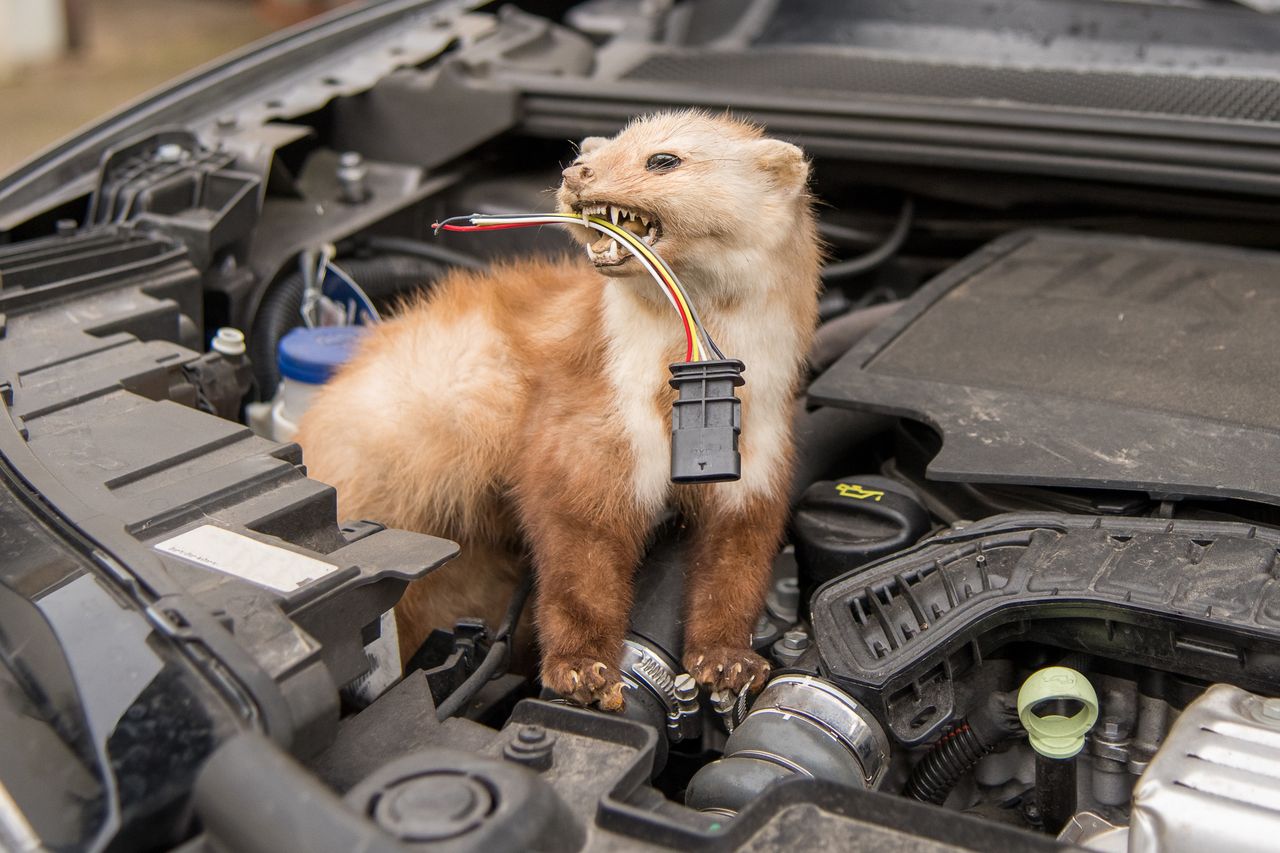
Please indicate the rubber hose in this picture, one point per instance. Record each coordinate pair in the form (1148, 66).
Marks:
(495, 660)
(836, 337)
(423, 249)
(955, 754)
(942, 767)
(279, 312)
(877, 256)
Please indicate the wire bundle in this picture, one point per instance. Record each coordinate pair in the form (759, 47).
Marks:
(698, 343)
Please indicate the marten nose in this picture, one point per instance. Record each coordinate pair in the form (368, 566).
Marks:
(577, 176)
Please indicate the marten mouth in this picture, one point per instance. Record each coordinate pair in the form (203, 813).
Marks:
(607, 251)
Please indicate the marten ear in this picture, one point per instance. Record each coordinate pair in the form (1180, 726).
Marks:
(784, 161)
(591, 143)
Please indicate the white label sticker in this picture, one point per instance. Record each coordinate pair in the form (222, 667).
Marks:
(254, 561)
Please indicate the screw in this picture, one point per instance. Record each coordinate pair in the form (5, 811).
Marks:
(531, 747)
(227, 121)
(722, 701)
(351, 176)
(796, 639)
(531, 734)
(686, 688)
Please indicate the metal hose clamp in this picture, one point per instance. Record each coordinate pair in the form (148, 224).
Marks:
(643, 668)
(833, 712)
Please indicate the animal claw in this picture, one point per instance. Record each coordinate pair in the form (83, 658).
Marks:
(727, 668)
(584, 681)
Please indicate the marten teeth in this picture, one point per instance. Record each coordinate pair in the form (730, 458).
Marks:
(608, 250)
(615, 214)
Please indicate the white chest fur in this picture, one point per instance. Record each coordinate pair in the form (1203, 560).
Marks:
(638, 343)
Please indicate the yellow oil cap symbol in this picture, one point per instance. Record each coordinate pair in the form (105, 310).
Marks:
(853, 490)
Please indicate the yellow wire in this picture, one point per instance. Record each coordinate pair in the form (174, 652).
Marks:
(658, 264)
(662, 268)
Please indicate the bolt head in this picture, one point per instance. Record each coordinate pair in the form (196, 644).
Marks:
(686, 688)
(796, 639)
(531, 734)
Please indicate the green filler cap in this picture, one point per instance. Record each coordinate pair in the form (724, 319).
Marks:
(1054, 735)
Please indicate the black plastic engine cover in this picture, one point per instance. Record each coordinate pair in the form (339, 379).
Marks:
(1200, 599)
(1082, 360)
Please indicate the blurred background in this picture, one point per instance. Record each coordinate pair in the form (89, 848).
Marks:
(64, 63)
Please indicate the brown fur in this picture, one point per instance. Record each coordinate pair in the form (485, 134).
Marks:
(525, 410)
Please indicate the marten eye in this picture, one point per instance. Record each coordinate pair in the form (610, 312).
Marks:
(662, 163)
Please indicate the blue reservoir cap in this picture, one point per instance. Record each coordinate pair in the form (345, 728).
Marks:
(313, 355)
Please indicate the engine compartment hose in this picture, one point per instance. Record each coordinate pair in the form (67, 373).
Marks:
(380, 277)
(495, 660)
(877, 256)
(994, 721)
(423, 249)
(800, 725)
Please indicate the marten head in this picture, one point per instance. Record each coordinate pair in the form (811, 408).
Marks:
(691, 185)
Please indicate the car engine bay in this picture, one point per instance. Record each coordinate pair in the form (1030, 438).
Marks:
(1028, 595)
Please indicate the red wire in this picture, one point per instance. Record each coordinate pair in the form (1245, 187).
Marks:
(684, 319)
(487, 227)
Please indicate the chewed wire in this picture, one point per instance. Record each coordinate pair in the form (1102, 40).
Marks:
(698, 341)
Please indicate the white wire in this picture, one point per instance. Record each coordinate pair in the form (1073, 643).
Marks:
(565, 219)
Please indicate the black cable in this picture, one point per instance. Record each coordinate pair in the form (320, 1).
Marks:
(515, 607)
(495, 659)
(881, 253)
(847, 236)
(990, 724)
(422, 249)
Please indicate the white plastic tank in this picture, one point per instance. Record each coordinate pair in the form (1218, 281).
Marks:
(307, 358)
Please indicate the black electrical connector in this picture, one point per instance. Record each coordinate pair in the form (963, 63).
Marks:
(705, 421)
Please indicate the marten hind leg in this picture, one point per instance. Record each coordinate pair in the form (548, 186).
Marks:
(732, 557)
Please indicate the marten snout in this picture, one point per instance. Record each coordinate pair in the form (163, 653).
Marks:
(577, 176)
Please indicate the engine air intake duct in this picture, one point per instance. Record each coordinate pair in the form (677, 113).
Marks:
(1193, 598)
(799, 725)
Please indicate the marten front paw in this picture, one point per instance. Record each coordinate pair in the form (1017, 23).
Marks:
(723, 668)
(584, 681)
